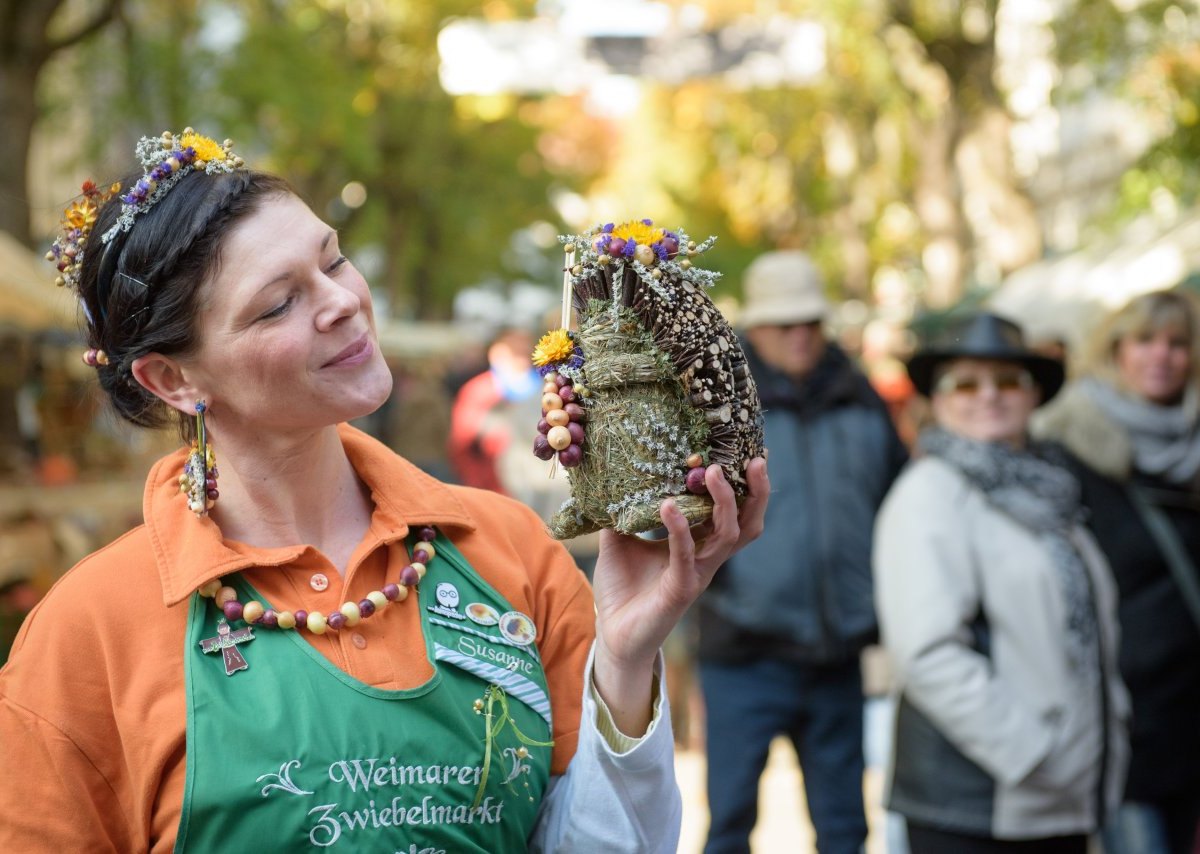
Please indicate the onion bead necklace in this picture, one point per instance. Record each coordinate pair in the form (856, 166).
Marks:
(350, 614)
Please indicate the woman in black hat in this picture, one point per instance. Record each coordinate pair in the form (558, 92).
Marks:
(997, 611)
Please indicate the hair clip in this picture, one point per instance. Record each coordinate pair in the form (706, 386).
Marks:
(94, 358)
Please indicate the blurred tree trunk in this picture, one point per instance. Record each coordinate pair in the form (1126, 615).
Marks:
(26, 45)
(938, 203)
(1003, 217)
(961, 135)
(855, 253)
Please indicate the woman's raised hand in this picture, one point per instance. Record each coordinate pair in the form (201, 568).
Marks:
(643, 588)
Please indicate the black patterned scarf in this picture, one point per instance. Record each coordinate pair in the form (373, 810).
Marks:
(1033, 487)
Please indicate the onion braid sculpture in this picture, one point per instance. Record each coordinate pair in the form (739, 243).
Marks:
(653, 386)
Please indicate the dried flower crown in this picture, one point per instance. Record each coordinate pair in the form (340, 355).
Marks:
(166, 160)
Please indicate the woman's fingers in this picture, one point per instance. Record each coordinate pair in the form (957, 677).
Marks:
(701, 531)
(725, 511)
(754, 508)
(680, 576)
(695, 553)
(679, 535)
(726, 520)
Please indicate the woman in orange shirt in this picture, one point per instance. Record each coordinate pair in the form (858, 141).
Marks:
(323, 647)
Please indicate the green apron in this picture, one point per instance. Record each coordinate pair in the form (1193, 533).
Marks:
(296, 755)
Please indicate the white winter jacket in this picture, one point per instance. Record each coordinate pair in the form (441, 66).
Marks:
(994, 734)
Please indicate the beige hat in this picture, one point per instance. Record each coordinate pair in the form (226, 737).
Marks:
(782, 288)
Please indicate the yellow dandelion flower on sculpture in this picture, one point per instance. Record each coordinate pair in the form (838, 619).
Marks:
(555, 346)
(206, 149)
(640, 231)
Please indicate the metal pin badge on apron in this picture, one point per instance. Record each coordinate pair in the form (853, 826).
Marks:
(447, 601)
(483, 614)
(518, 628)
(226, 643)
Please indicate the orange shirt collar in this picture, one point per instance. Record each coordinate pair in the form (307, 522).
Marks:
(189, 551)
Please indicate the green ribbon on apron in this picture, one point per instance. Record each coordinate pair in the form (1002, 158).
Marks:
(295, 755)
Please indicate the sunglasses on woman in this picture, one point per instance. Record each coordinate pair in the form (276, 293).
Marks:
(1012, 379)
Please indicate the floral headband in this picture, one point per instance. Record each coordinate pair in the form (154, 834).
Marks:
(166, 160)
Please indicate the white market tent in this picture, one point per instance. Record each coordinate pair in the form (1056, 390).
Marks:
(1063, 297)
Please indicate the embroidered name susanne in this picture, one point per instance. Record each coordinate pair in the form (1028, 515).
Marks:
(502, 657)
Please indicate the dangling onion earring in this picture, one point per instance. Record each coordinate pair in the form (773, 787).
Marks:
(199, 479)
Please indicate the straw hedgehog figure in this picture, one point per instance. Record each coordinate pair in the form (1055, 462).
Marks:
(652, 388)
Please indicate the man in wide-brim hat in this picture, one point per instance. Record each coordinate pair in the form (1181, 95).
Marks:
(782, 628)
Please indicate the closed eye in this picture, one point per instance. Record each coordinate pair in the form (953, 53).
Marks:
(281, 309)
(286, 305)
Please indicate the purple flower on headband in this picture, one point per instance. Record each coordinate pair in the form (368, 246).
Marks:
(660, 251)
(608, 227)
(629, 249)
(647, 222)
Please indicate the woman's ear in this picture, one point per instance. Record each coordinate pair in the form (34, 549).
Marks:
(166, 379)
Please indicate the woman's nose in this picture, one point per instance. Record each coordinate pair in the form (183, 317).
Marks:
(1161, 348)
(337, 302)
(988, 391)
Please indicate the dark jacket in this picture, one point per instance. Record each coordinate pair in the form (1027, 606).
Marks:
(803, 590)
(1160, 642)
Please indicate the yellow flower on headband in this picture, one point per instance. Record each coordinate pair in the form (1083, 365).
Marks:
(206, 149)
(554, 347)
(638, 231)
(79, 214)
(82, 213)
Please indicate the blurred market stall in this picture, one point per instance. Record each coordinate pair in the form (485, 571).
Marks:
(1061, 298)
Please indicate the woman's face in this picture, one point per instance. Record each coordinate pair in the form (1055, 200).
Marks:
(985, 400)
(287, 336)
(1155, 364)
